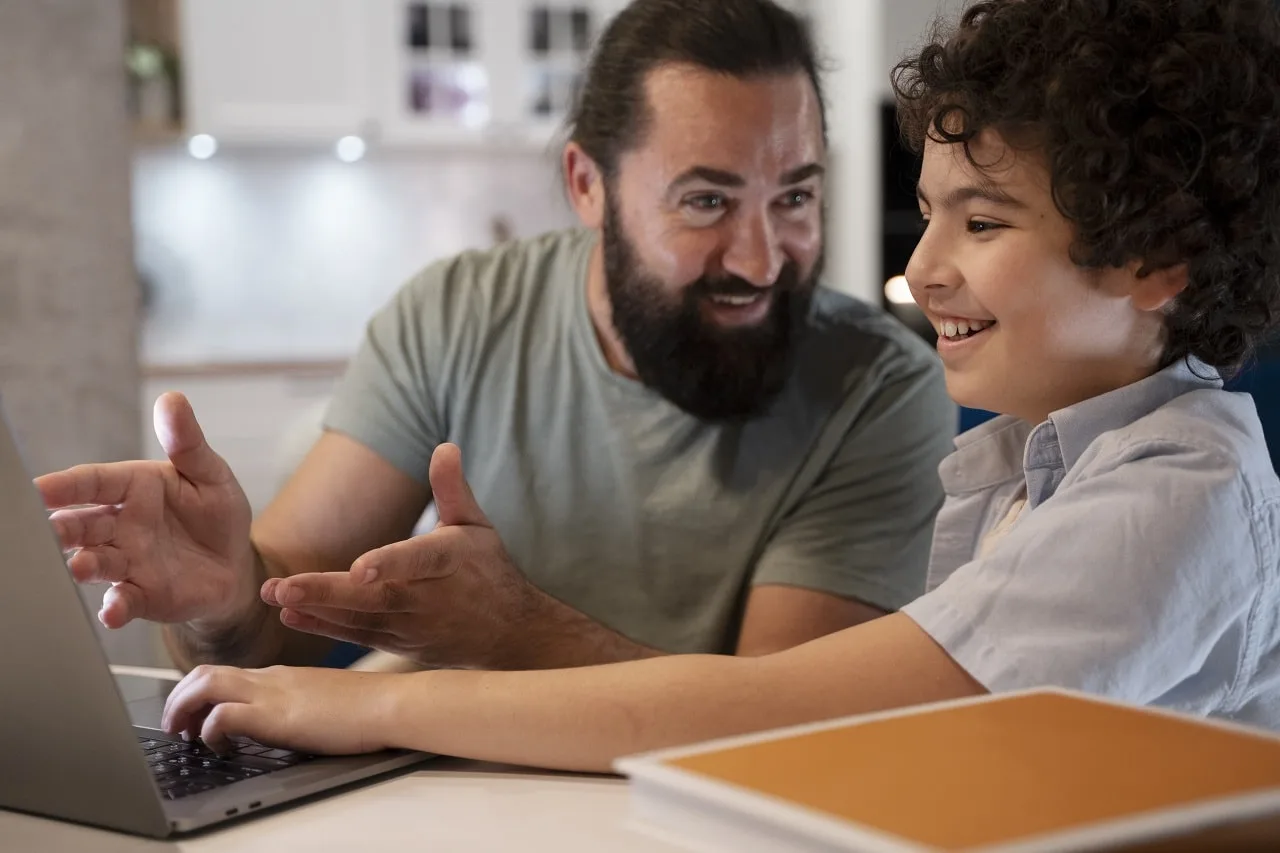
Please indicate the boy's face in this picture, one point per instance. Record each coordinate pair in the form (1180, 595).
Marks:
(1042, 332)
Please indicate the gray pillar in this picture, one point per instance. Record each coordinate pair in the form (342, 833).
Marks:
(68, 294)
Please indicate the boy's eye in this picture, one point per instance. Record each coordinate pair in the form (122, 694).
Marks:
(977, 226)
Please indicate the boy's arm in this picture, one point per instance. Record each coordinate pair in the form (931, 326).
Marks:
(572, 719)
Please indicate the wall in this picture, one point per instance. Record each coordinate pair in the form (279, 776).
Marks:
(68, 301)
(283, 255)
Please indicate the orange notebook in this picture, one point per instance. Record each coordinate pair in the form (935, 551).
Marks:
(1031, 772)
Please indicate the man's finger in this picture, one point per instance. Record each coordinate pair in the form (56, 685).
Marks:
(87, 527)
(102, 564)
(311, 625)
(432, 555)
(380, 622)
(184, 443)
(337, 590)
(454, 500)
(121, 604)
(96, 483)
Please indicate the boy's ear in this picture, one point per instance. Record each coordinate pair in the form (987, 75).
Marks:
(1156, 289)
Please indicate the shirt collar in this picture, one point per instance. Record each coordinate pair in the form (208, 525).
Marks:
(1080, 425)
(1006, 447)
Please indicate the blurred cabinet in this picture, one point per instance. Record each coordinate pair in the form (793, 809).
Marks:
(393, 71)
(281, 70)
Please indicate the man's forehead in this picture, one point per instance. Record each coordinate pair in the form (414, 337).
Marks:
(696, 114)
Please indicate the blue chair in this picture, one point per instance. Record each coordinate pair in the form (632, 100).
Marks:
(1261, 380)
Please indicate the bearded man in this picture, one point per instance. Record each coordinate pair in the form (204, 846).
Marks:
(675, 438)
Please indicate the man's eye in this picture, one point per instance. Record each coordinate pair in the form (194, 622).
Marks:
(706, 202)
(798, 198)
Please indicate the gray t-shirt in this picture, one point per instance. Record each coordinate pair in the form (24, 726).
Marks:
(623, 506)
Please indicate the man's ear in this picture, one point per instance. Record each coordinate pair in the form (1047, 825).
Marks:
(1157, 288)
(584, 183)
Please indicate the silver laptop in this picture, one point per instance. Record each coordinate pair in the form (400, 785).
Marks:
(67, 747)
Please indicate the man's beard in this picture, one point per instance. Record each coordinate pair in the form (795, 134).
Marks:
(714, 373)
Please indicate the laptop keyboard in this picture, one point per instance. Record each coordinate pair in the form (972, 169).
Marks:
(182, 769)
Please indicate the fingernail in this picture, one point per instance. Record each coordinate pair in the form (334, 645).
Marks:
(268, 591)
(369, 575)
(290, 595)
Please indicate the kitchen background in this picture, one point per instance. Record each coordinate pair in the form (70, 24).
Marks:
(298, 160)
(213, 196)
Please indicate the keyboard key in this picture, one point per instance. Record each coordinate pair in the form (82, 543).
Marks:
(259, 762)
(280, 754)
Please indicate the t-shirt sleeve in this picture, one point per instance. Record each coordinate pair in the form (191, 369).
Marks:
(863, 530)
(1134, 579)
(387, 399)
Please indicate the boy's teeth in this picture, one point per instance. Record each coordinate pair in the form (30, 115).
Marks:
(959, 328)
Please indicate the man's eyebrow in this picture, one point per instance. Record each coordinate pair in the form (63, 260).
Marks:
(710, 175)
(723, 178)
(971, 192)
(809, 170)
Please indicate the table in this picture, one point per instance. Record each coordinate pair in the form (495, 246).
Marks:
(445, 804)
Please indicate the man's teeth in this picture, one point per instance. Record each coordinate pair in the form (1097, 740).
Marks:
(725, 299)
(959, 328)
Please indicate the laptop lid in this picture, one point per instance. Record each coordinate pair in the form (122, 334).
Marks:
(68, 748)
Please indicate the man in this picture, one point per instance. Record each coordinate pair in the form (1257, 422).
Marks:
(677, 441)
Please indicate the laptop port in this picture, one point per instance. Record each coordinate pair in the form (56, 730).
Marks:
(230, 812)
(255, 804)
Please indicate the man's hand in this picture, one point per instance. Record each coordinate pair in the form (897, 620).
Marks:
(172, 537)
(450, 598)
(314, 710)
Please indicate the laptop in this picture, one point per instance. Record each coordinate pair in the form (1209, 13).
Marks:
(69, 748)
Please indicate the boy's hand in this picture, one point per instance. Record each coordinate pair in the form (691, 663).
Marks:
(328, 711)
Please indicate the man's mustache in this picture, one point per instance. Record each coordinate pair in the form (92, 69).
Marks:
(733, 285)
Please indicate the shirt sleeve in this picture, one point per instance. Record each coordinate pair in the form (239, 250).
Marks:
(1135, 581)
(386, 399)
(863, 530)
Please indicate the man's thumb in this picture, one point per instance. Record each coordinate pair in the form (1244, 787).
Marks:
(183, 441)
(454, 501)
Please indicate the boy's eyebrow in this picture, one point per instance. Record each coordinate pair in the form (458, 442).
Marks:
(981, 192)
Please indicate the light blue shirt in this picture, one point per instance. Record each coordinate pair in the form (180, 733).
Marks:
(1144, 566)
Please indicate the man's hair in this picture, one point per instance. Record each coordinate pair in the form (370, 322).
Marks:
(1159, 122)
(740, 38)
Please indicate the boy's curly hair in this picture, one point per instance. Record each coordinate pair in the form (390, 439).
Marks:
(1160, 124)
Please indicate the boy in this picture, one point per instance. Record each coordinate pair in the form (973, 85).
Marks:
(1101, 184)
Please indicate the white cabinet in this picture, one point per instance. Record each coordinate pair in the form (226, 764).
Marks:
(508, 79)
(279, 70)
(393, 71)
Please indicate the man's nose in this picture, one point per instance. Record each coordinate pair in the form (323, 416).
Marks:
(754, 254)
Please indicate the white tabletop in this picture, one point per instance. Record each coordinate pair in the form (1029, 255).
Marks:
(445, 804)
